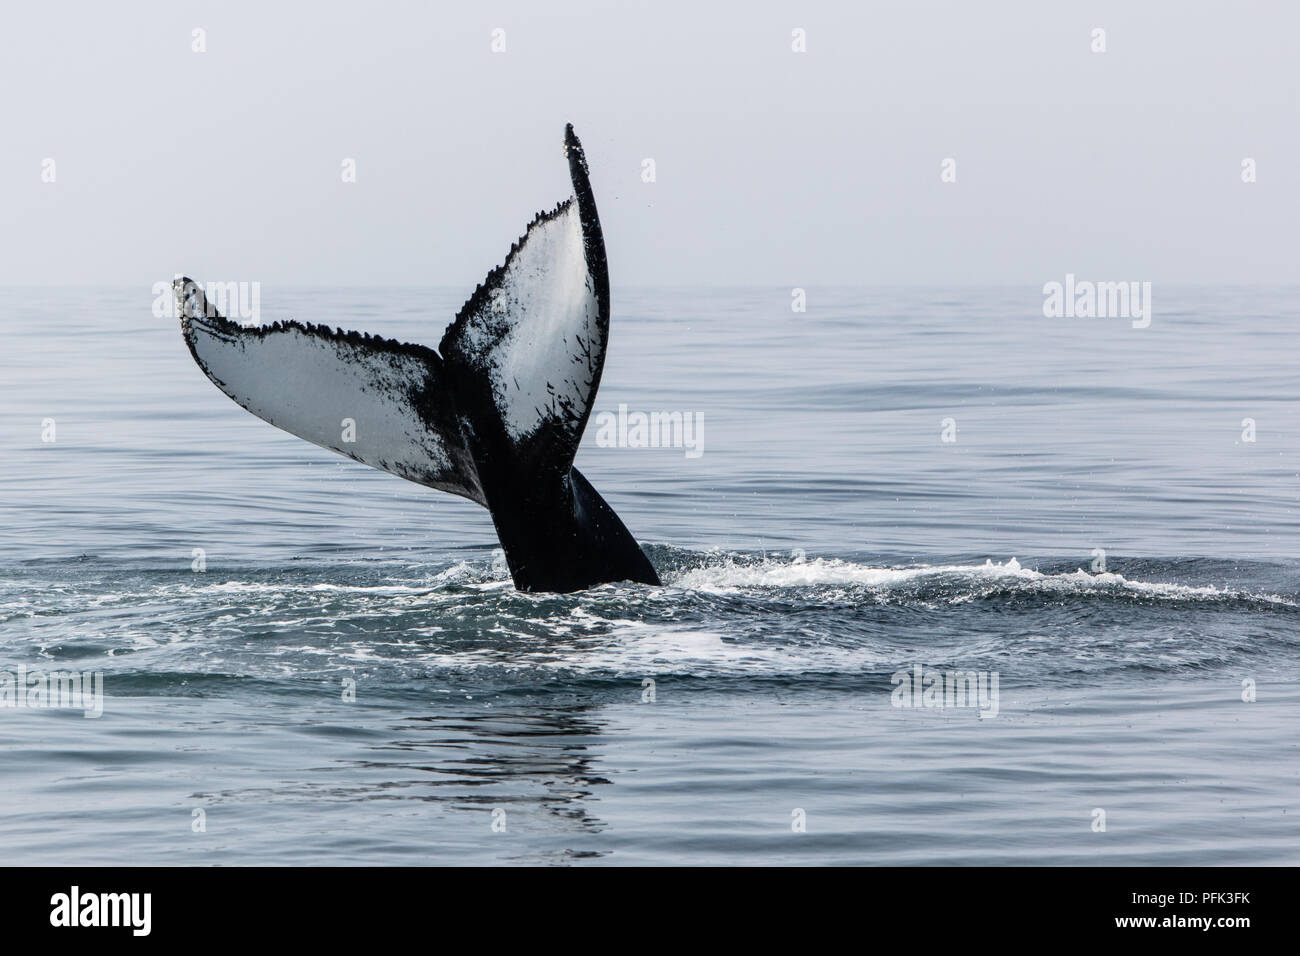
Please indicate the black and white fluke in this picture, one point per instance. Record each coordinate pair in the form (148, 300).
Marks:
(495, 415)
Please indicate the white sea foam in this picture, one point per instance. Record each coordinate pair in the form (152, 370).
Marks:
(968, 581)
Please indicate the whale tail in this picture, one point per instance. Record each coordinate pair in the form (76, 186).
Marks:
(495, 415)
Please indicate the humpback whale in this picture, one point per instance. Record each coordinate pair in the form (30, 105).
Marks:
(494, 415)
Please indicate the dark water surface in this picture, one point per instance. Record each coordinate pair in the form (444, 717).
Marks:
(826, 539)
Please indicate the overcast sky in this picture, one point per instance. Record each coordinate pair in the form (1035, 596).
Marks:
(771, 166)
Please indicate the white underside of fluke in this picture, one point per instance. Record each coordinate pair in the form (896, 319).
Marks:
(537, 334)
(359, 396)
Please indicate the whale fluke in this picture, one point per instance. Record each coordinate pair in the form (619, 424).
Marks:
(312, 381)
(496, 415)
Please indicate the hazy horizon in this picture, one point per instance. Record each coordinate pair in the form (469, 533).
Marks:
(772, 167)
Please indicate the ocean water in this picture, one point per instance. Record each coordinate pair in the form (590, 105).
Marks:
(827, 539)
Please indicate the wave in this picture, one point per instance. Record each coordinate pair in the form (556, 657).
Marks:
(959, 582)
(720, 614)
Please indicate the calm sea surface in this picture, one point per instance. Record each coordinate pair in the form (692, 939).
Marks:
(826, 539)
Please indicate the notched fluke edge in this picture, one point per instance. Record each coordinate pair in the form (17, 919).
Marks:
(478, 299)
(229, 330)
